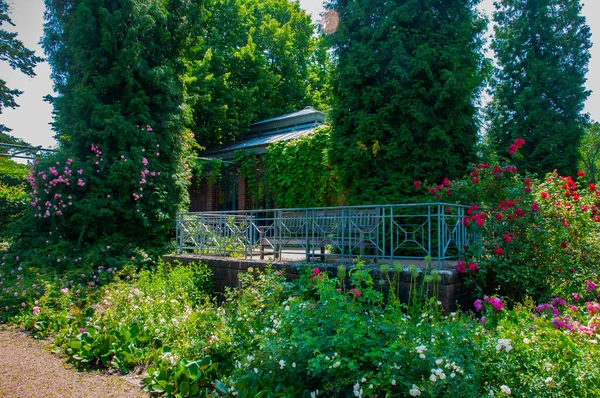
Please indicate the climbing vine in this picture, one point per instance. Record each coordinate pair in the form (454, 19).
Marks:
(298, 172)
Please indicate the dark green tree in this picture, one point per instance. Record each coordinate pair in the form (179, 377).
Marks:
(255, 59)
(18, 57)
(406, 83)
(120, 176)
(542, 48)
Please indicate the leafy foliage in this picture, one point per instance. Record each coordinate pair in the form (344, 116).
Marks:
(298, 173)
(119, 178)
(18, 57)
(320, 334)
(542, 48)
(407, 78)
(253, 60)
(539, 236)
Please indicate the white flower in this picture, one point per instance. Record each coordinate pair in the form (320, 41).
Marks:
(452, 375)
(504, 344)
(393, 382)
(335, 365)
(363, 380)
(282, 364)
(548, 380)
(433, 378)
(370, 386)
(422, 356)
(414, 391)
(420, 349)
(526, 340)
(505, 389)
(293, 364)
(438, 362)
(255, 370)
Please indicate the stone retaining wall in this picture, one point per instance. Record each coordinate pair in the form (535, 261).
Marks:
(451, 288)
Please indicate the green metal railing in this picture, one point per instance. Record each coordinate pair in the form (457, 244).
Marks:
(382, 233)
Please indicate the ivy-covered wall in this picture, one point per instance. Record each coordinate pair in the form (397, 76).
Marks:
(290, 174)
(298, 172)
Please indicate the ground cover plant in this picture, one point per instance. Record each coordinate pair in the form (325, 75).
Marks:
(321, 335)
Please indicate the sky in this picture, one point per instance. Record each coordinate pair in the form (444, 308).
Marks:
(31, 121)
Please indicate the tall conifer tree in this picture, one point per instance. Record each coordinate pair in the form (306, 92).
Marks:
(119, 178)
(407, 78)
(542, 48)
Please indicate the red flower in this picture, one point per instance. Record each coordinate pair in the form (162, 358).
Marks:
(535, 207)
(592, 187)
(512, 149)
(507, 238)
(472, 266)
(479, 221)
(545, 195)
(446, 182)
(417, 184)
(519, 142)
(498, 216)
(461, 267)
(580, 173)
(498, 251)
(316, 271)
(527, 182)
(563, 244)
(474, 180)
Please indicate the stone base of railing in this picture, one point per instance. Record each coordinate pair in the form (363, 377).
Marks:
(452, 291)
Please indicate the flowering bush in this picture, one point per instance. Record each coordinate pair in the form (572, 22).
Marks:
(318, 337)
(539, 236)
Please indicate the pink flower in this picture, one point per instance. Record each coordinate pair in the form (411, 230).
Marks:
(316, 271)
(80, 182)
(417, 184)
(356, 292)
(535, 207)
(461, 267)
(472, 266)
(575, 297)
(148, 128)
(475, 180)
(496, 303)
(591, 286)
(145, 161)
(478, 305)
(82, 330)
(483, 320)
(36, 310)
(64, 290)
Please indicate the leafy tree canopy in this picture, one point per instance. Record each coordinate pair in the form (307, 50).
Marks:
(542, 48)
(254, 59)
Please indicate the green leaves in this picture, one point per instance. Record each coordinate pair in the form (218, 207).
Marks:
(406, 80)
(542, 49)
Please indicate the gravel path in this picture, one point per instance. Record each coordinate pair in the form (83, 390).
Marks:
(29, 369)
